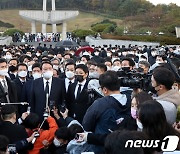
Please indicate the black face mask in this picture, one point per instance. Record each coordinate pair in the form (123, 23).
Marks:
(79, 78)
(12, 68)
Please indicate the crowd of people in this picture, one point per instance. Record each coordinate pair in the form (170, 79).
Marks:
(39, 37)
(54, 101)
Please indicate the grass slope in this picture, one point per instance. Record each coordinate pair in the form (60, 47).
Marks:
(83, 21)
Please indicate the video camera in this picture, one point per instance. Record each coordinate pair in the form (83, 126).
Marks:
(134, 78)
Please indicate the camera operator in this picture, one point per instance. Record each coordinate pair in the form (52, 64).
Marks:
(32, 124)
(107, 112)
(162, 80)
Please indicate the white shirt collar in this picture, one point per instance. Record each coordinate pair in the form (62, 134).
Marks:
(82, 83)
(50, 80)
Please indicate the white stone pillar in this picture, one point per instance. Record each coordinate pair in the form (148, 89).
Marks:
(44, 5)
(64, 29)
(43, 28)
(54, 28)
(33, 27)
(53, 5)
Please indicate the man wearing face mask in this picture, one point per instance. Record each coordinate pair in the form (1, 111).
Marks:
(45, 88)
(162, 80)
(12, 68)
(36, 73)
(97, 57)
(70, 76)
(77, 95)
(8, 93)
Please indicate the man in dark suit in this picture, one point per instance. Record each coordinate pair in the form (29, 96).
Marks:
(13, 68)
(77, 96)
(70, 76)
(45, 88)
(20, 80)
(8, 128)
(36, 73)
(8, 93)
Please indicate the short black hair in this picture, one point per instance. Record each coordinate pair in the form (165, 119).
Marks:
(70, 63)
(46, 62)
(83, 67)
(3, 60)
(117, 60)
(116, 141)
(102, 67)
(74, 129)
(36, 65)
(63, 133)
(21, 64)
(14, 59)
(109, 80)
(7, 111)
(32, 121)
(4, 141)
(164, 76)
(131, 62)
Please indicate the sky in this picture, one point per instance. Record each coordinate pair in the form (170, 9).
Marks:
(155, 2)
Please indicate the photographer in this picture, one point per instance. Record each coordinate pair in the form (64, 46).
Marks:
(32, 124)
(107, 112)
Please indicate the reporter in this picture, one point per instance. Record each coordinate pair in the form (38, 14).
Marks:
(32, 123)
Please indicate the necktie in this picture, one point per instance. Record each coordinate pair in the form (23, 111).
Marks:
(70, 82)
(47, 88)
(78, 91)
(6, 90)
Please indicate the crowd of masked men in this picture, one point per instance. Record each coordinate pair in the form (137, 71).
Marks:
(54, 101)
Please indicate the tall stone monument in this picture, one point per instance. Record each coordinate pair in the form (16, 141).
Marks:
(45, 17)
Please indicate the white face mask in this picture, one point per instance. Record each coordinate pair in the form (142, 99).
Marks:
(48, 74)
(36, 75)
(30, 68)
(56, 67)
(96, 53)
(116, 68)
(57, 143)
(22, 74)
(139, 124)
(4, 72)
(108, 68)
(69, 74)
(109, 54)
(38, 54)
(94, 75)
(8, 57)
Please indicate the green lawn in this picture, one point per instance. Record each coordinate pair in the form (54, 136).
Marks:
(83, 21)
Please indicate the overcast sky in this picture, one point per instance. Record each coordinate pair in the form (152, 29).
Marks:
(165, 1)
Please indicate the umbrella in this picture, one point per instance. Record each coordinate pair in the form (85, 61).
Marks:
(67, 43)
(87, 48)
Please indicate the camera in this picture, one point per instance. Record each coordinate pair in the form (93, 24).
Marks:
(134, 78)
(12, 149)
(62, 108)
(93, 95)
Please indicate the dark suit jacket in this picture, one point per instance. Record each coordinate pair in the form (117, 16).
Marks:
(12, 131)
(77, 106)
(12, 92)
(38, 96)
(26, 91)
(19, 87)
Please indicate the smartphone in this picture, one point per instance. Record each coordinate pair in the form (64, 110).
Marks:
(62, 108)
(12, 149)
(51, 105)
